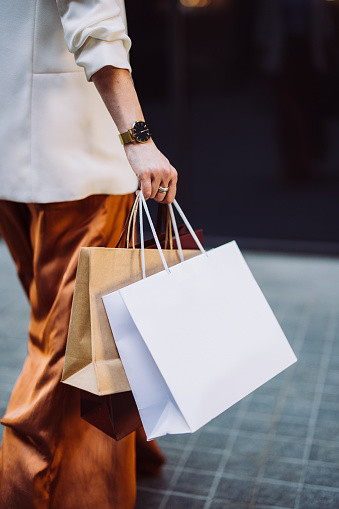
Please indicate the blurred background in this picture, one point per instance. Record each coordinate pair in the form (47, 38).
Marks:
(242, 96)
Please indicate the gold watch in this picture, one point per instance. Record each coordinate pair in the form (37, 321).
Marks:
(139, 132)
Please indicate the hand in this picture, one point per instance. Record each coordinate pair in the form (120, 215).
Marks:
(153, 169)
(148, 163)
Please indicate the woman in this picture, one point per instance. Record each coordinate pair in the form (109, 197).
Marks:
(66, 181)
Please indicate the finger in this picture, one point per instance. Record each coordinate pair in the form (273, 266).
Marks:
(156, 181)
(146, 187)
(160, 196)
(170, 195)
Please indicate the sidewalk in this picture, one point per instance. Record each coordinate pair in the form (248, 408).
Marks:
(279, 447)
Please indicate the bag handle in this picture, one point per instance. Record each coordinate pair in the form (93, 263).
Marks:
(143, 205)
(131, 223)
(163, 220)
(189, 227)
(176, 233)
(128, 224)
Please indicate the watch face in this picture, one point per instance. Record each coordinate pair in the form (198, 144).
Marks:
(141, 132)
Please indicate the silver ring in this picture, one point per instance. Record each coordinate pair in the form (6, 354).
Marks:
(163, 190)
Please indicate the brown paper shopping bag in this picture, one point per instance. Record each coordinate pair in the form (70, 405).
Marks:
(115, 414)
(92, 362)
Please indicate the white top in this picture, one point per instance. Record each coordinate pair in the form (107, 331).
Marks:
(57, 140)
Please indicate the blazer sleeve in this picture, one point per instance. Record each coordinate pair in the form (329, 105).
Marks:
(96, 32)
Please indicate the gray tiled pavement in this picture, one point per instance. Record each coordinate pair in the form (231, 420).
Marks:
(279, 447)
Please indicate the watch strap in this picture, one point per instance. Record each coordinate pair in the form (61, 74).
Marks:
(126, 137)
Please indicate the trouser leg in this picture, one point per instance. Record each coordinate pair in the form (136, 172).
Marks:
(14, 228)
(50, 458)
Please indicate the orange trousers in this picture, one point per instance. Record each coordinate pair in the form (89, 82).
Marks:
(50, 458)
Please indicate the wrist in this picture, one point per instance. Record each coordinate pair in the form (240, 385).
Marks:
(134, 147)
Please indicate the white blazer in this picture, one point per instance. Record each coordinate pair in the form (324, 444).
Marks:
(57, 140)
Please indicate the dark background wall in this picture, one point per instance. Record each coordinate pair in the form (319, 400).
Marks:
(255, 143)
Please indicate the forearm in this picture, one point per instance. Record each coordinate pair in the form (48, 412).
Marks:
(119, 95)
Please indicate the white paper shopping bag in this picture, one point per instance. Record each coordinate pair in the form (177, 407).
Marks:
(195, 339)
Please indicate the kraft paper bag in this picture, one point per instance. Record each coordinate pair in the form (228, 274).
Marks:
(92, 362)
(195, 339)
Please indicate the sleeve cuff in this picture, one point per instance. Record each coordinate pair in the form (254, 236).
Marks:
(96, 54)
